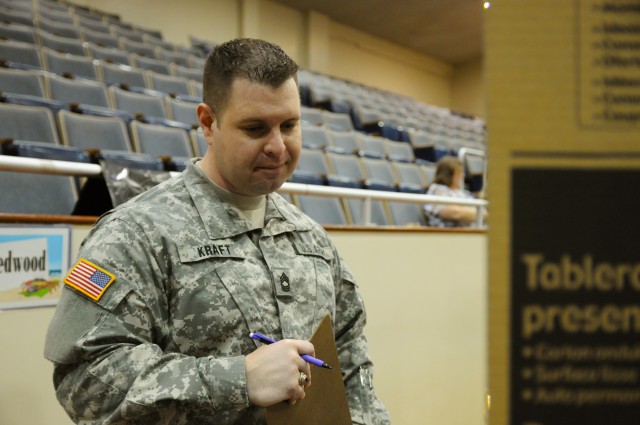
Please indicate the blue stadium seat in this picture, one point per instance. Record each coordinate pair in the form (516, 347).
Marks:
(424, 145)
(351, 174)
(151, 64)
(64, 63)
(399, 151)
(337, 121)
(72, 46)
(99, 38)
(127, 33)
(139, 104)
(191, 73)
(39, 193)
(81, 91)
(20, 54)
(24, 17)
(21, 82)
(410, 177)
(182, 111)
(62, 29)
(169, 84)
(93, 132)
(35, 123)
(159, 140)
(107, 54)
(428, 172)
(314, 137)
(137, 47)
(123, 75)
(311, 116)
(172, 56)
(17, 32)
(379, 174)
(404, 214)
(344, 142)
(326, 210)
(312, 167)
(61, 16)
(151, 39)
(372, 146)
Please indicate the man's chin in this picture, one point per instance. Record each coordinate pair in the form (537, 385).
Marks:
(266, 187)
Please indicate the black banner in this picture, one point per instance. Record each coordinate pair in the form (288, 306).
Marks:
(575, 297)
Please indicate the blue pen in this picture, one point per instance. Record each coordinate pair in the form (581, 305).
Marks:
(307, 358)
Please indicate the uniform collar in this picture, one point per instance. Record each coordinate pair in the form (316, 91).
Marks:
(221, 221)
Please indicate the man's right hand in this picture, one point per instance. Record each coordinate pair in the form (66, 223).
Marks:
(273, 372)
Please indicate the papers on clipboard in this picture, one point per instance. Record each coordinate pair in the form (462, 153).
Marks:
(326, 399)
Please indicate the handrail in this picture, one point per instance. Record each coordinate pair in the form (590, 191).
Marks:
(367, 195)
(49, 166)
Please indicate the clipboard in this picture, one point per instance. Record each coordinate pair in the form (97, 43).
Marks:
(325, 401)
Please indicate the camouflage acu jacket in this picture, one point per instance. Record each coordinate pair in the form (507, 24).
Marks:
(164, 341)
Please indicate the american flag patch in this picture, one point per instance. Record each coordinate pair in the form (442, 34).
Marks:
(89, 279)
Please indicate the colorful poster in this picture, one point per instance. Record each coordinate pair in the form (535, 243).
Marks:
(33, 262)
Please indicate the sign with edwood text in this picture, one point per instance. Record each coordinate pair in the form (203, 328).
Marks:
(33, 261)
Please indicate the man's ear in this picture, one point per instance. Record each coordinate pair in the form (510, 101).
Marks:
(206, 118)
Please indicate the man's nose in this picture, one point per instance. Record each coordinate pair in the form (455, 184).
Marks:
(275, 143)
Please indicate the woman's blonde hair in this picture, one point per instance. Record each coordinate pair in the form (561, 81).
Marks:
(447, 166)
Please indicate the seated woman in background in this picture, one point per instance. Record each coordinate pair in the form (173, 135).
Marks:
(449, 181)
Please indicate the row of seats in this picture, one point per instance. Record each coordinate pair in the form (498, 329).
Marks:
(46, 194)
(334, 132)
(37, 123)
(389, 114)
(25, 56)
(80, 23)
(98, 46)
(90, 132)
(431, 132)
(37, 88)
(348, 211)
(80, 134)
(357, 143)
(335, 168)
(326, 130)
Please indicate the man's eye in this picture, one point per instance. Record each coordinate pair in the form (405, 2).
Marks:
(253, 129)
(288, 126)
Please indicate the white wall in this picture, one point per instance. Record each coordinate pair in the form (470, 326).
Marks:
(425, 295)
(467, 88)
(357, 56)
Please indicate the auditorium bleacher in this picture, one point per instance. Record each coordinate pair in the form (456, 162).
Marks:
(78, 84)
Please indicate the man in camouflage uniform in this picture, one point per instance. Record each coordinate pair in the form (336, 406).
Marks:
(154, 320)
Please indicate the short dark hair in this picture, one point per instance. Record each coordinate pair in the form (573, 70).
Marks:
(256, 60)
(447, 166)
